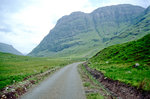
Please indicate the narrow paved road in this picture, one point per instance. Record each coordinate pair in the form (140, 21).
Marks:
(64, 84)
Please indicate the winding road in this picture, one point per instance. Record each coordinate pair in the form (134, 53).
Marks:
(64, 84)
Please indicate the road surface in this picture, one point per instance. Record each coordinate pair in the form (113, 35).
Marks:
(64, 84)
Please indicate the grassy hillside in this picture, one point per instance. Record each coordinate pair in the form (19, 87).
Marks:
(15, 68)
(128, 62)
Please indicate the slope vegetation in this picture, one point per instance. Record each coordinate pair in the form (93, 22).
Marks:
(128, 62)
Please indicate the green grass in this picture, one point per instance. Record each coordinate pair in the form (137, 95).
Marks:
(117, 62)
(15, 68)
(95, 96)
(90, 83)
(86, 84)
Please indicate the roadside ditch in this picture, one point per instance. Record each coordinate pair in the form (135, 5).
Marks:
(93, 89)
(116, 89)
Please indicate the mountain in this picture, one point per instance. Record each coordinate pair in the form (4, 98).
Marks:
(83, 34)
(147, 10)
(140, 26)
(9, 49)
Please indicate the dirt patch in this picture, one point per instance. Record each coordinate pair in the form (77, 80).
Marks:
(92, 87)
(18, 89)
(118, 88)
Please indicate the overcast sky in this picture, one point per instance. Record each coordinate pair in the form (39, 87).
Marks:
(24, 23)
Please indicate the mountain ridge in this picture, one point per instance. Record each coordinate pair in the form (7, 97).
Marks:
(82, 32)
(139, 27)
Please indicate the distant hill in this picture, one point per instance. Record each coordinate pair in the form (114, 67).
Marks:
(83, 34)
(9, 49)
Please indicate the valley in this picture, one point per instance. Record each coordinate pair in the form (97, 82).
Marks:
(109, 48)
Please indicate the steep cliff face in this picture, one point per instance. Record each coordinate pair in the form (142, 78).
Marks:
(147, 10)
(110, 20)
(139, 27)
(79, 33)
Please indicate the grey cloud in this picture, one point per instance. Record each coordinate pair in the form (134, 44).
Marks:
(6, 30)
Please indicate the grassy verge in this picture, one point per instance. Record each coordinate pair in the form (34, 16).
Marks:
(93, 89)
(15, 68)
(124, 72)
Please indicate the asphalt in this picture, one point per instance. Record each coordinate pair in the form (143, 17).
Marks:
(64, 84)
